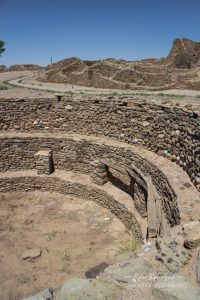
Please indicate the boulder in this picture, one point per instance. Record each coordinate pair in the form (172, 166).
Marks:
(173, 255)
(45, 294)
(95, 271)
(31, 253)
(192, 234)
(128, 272)
(174, 288)
(90, 289)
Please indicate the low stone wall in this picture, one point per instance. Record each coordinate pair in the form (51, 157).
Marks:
(55, 184)
(72, 153)
(171, 132)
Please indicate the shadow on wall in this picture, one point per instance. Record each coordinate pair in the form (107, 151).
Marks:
(118, 182)
(132, 188)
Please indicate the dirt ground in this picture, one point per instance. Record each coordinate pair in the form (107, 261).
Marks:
(74, 235)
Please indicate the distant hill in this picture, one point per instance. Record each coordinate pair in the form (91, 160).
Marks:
(180, 69)
(24, 67)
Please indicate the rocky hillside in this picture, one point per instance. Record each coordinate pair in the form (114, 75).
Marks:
(184, 53)
(24, 67)
(20, 67)
(180, 69)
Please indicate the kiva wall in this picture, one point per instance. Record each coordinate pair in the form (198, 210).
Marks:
(78, 154)
(171, 132)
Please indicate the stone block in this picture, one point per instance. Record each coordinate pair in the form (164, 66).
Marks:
(44, 162)
(192, 234)
(173, 255)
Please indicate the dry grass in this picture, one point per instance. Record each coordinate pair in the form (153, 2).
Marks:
(127, 243)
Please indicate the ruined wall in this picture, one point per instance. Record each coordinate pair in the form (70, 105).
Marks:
(54, 184)
(17, 153)
(171, 132)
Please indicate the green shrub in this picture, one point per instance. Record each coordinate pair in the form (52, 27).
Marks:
(3, 86)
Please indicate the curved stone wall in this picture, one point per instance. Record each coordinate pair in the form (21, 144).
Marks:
(77, 154)
(55, 184)
(171, 132)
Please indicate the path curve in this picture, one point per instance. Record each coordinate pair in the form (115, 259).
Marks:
(62, 88)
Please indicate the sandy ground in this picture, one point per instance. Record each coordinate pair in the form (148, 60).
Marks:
(74, 235)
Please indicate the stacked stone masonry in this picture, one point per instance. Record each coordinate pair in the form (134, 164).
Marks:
(99, 174)
(44, 162)
(79, 154)
(172, 132)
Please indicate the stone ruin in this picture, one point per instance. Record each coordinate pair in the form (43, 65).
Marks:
(123, 141)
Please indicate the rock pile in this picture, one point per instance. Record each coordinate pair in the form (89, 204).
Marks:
(100, 174)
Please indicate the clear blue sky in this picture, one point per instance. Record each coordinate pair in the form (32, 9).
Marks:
(35, 30)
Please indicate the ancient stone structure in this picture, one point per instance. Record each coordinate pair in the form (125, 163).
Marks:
(70, 134)
(177, 70)
(72, 153)
(171, 132)
(44, 162)
(99, 174)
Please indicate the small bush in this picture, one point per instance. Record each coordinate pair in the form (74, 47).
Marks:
(3, 86)
(113, 94)
(128, 243)
(127, 86)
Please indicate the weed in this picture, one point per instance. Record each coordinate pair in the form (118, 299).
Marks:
(69, 93)
(3, 86)
(12, 206)
(127, 243)
(50, 235)
(65, 257)
(127, 86)
(114, 94)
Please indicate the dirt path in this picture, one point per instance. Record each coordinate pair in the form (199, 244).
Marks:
(30, 82)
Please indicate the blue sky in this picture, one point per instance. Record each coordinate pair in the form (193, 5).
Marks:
(35, 30)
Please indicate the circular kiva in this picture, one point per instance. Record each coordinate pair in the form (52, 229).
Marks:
(56, 184)
(107, 141)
